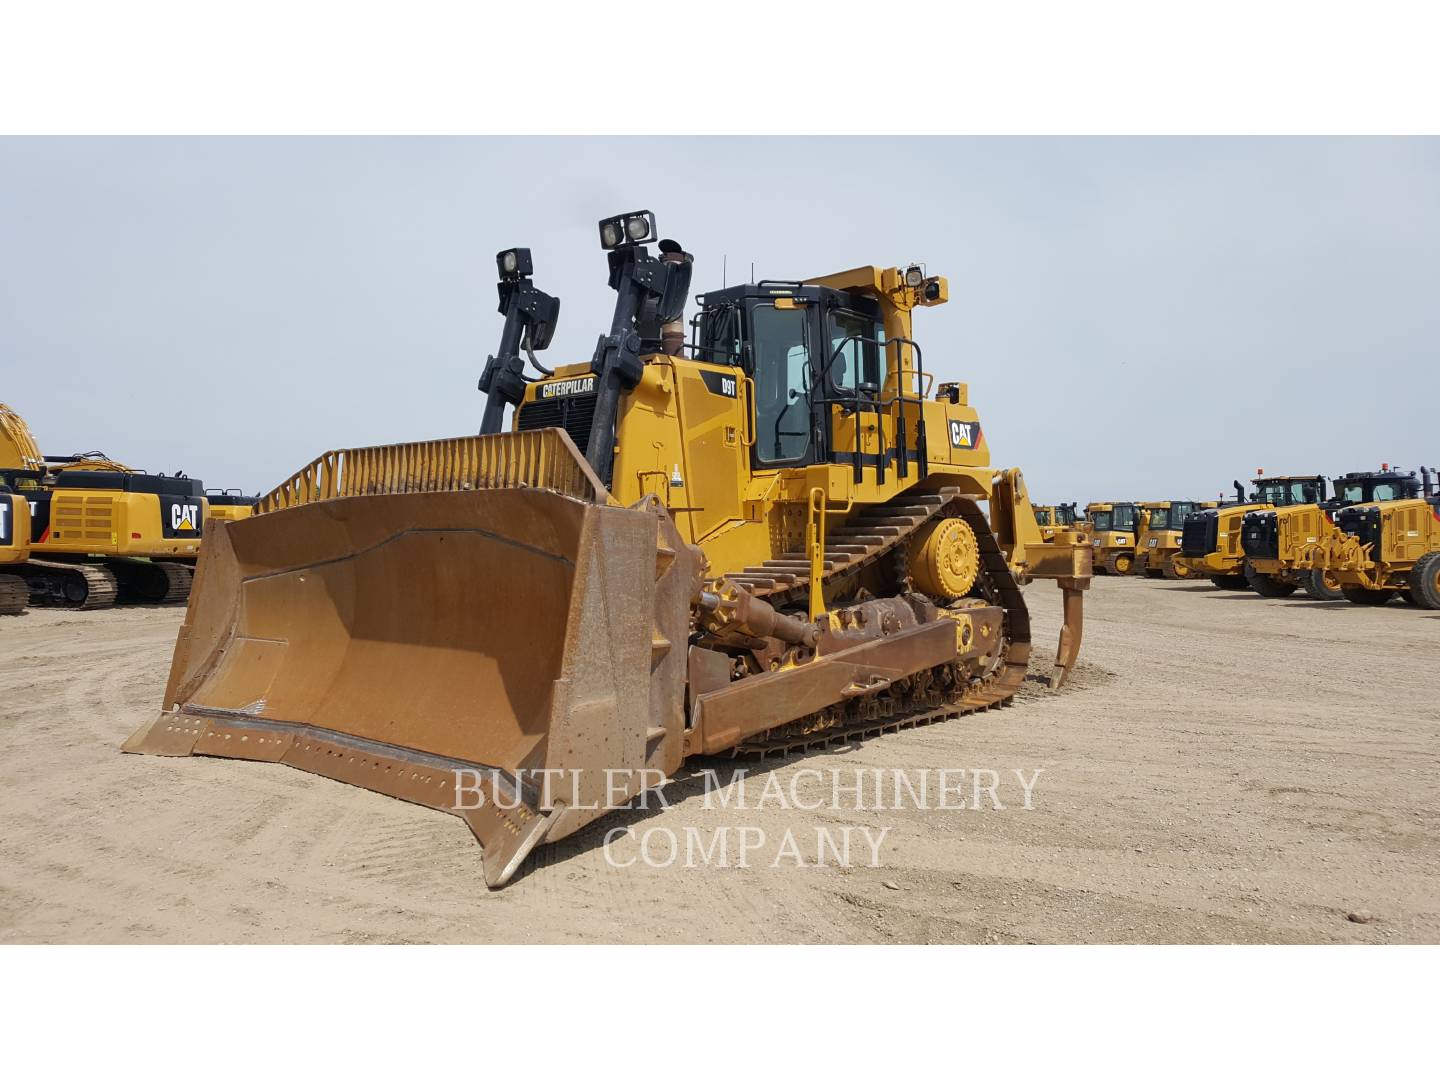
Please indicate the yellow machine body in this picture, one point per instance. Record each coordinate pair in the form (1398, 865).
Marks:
(1114, 528)
(485, 616)
(97, 528)
(1381, 550)
(1158, 544)
(14, 550)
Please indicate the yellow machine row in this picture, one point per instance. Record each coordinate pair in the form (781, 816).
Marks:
(780, 533)
(1158, 542)
(95, 530)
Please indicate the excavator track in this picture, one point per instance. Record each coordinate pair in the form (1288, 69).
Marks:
(141, 581)
(70, 585)
(14, 594)
(926, 697)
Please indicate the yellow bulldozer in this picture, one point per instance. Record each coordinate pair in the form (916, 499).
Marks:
(1114, 527)
(1279, 543)
(1058, 520)
(100, 531)
(1381, 550)
(1159, 540)
(1210, 540)
(765, 538)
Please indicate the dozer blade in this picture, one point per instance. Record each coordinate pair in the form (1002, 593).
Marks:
(389, 640)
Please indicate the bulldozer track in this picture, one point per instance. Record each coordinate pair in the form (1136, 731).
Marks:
(990, 694)
(14, 594)
(99, 583)
(860, 542)
(874, 534)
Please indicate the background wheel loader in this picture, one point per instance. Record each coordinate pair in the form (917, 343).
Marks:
(1381, 550)
(1210, 541)
(100, 531)
(1159, 540)
(772, 539)
(1276, 541)
(1114, 527)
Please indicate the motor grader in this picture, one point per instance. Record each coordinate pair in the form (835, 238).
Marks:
(1114, 527)
(762, 539)
(1277, 541)
(1210, 541)
(99, 530)
(1159, 539)
(1380, 550)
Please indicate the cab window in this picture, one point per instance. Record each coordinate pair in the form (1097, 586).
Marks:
(781, 351)
(858, 361)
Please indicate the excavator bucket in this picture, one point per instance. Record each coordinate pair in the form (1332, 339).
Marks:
(469, 624)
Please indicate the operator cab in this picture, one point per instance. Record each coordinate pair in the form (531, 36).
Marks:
(1121, 518)
(1173, 516)
(1365, 487)
(1289, 490)
(806, 347)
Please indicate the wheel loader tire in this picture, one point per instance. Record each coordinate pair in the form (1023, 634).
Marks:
(1424, 587)
(1267, 586)
(1319, 585)
(1234, 582)
(1358, 594)
(1173, 571)
(1120, 563)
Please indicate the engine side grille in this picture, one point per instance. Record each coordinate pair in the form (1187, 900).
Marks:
(1362, 522)
(1200, 534)
(1260, 535)
(576, 414)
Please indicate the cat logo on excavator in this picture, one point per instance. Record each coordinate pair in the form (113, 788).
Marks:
(547, 610)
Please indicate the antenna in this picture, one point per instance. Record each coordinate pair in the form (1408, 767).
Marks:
(724, 270)
(752, 271)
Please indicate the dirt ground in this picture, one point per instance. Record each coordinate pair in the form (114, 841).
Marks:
(1224, 768)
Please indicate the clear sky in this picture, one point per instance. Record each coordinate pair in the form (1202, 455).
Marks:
(1136, 318)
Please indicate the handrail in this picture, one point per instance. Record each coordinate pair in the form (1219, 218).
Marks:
(879, 404)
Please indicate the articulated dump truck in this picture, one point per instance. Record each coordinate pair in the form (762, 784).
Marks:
(768, 537)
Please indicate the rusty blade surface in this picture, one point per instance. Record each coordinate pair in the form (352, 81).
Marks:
(388, 640)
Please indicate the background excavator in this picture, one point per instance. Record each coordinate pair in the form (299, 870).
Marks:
(100, 531)
(766, 538)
